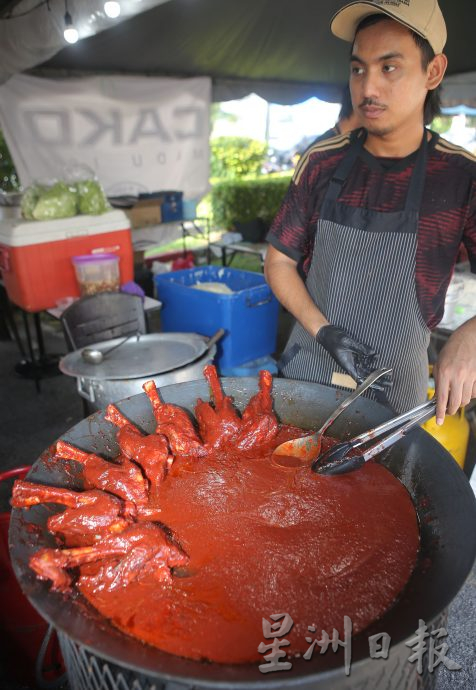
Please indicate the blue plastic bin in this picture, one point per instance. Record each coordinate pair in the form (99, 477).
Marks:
(249, 316)
(252, 368)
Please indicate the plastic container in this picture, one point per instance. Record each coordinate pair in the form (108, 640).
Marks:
(189, 207)
(249, 315)
(35, 256)
(172, 206)
(97, 273)
(453, 434)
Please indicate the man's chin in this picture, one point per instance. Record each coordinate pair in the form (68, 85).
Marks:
(377, 130)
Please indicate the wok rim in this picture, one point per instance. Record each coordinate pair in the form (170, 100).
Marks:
(224, 675)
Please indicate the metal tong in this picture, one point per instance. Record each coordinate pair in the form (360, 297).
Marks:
(337, 461)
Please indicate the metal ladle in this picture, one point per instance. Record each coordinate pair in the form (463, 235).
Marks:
(94, 356)
(309, 447)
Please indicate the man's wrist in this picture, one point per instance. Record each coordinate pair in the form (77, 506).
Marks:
(321, 331)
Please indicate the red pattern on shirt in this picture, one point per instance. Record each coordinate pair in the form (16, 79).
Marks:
(447, 214)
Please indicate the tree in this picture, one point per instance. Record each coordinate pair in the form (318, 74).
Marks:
(233, 157)
(441, 124)
(9, 181)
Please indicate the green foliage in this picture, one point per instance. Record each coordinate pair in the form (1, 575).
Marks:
(233, 157)
(9, 181)
(441, 124)
(245, 200)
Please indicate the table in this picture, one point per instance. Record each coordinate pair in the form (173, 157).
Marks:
(149, 240)
(229, 250)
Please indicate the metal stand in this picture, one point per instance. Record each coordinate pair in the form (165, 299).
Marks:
(9, 323)
(229, 251)
(33, 366)
(191, 228)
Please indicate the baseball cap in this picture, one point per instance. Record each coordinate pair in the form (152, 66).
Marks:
(422, 16)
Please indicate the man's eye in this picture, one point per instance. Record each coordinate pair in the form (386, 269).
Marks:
(389, 68)
(356, 70)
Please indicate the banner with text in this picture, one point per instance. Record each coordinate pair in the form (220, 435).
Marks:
(137, 134)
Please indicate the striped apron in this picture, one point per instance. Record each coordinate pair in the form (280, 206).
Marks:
(362, 278)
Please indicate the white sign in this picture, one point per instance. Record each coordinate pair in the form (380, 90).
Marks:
(138, 134)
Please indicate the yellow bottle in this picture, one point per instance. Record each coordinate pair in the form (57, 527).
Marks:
(453, 434)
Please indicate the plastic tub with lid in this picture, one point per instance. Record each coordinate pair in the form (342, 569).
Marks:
(97, 273)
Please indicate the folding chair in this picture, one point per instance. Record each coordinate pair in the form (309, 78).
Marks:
(101, 317)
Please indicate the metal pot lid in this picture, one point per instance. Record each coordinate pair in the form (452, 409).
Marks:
(150, 355)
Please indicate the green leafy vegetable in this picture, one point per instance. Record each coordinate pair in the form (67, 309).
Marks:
(92, 199)
(60, 201)
(30, 199)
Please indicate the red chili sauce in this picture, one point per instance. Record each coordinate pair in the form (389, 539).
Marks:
(264, 538)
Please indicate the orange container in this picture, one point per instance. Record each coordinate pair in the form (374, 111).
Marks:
(35, 256)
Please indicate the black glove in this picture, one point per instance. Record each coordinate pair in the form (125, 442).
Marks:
(355, 358)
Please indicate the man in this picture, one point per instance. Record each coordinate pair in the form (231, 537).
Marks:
(364, 245)
(347, 120)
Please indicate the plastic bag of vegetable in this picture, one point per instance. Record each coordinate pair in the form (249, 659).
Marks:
(60, 201)
(30, 198)
(91, 197)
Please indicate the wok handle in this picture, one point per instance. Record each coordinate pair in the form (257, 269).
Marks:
(16, 472)
(85, 389)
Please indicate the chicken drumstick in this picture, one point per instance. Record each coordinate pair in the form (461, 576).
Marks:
(89, 515)
(139, 551)
(220, 423)
(175, 424)
(150, 452)
(124, 478)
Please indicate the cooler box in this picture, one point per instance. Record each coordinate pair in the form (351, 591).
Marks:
(35, 256)
(249, 315)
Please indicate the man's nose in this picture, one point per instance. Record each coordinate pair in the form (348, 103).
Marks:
(371, 84)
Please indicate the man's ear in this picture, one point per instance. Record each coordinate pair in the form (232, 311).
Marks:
(436, 71)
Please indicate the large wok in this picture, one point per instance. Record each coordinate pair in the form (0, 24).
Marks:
(441, 494)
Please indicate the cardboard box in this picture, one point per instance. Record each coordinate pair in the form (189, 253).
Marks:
(145, 212)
